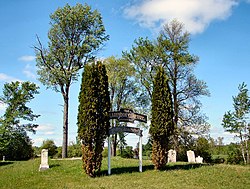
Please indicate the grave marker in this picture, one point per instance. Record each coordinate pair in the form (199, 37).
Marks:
(44, 160)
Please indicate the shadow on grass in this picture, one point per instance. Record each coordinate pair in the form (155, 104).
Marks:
(122, 170)
(54, 165)
(2, 163)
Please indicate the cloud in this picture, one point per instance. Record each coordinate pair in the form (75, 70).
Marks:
(2, 106)
(45, 128)
(27, 58)
(195, 14)
(30, 71)
(7, 78)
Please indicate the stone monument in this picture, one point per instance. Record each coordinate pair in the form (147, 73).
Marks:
(171, 156)
(190, 156)
(44, 160)
(199, 159)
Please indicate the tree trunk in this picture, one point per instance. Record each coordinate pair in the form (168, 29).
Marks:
(65, 125)
(242, 149)
(114, 145)
(247, 151)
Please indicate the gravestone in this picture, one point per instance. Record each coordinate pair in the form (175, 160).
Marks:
(44, 160)
(171, 156)
(3, 158)
(199, 159)
(190, 156)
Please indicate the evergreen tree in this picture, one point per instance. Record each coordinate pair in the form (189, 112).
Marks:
(162, 125)
(93, 118)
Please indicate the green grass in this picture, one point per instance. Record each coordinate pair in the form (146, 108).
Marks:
(67, 174)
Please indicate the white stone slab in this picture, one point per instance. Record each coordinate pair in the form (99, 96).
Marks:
(171, 156)
(44, 160)
(191, 156)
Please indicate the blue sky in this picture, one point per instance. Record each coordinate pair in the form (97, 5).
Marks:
(220, 38)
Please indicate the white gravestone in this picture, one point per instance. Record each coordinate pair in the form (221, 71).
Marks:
(190, 156)
(199, 159)
(44, 160)
(171, 156)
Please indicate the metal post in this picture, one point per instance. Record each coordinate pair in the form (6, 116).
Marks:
(140, 154)
(109, 156)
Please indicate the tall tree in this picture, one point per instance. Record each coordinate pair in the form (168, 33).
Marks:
(170, 50)
(13, 133)
(93, 116)
(76, 34)
(125, 91)
(237, 121)
(162, 126)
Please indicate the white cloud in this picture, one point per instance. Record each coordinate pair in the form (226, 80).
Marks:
(30, 71)
(2, 106)
(195, 14)
(7, 78)
(45, 128)
(27, 58)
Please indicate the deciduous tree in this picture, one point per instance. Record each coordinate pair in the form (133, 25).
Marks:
(170, 50)
(13, 132)
(76, 34)
(237, 121)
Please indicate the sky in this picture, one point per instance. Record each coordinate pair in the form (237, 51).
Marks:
(220, 37)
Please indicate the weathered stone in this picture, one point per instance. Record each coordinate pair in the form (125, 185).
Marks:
(199, 159)
(44, 160)
(171, 156)
(191, 156)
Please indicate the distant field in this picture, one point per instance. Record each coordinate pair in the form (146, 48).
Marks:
(68, 174)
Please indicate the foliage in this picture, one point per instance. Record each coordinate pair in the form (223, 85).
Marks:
(170, 50)
(125, 92)
(237, 122)
(50, 145)
(76, 33)
(74, 150)
(234, 154)
(202, 148)
(93, 116)
(162, 126)
(14, 142)
(186, 142)
(127, 152)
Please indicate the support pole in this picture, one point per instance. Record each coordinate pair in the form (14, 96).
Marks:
(140, 153)
(109, 155)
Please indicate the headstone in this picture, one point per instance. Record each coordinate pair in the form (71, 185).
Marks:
(171, 156)
(190, 156)
(199, 159)
(44, 160)
(3, 158)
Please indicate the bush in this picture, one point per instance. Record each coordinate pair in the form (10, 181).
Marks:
(128, 152)
(50, 145)
(74, 150)
(202, 148)
(234, 154)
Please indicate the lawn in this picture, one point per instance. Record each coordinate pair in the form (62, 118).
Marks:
(65, 174)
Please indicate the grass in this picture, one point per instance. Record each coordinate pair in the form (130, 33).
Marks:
(67, 174)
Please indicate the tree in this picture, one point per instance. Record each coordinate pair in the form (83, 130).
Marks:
(76, 34)
(125, 92)
(162, 126)
(13, 134)
(202, 148)
(93, 116)
(237, 121)
(51, 146)
(170, 50)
